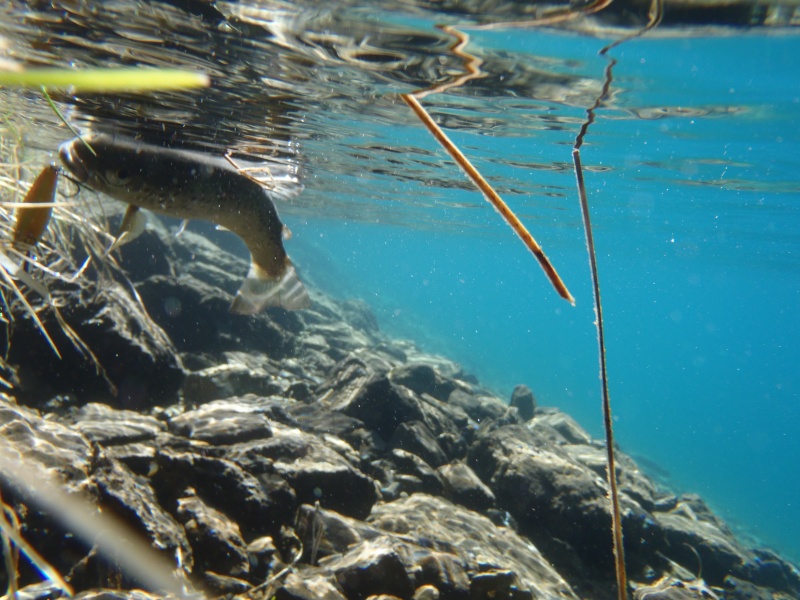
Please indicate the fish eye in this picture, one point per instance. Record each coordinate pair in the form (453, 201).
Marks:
(117, 176)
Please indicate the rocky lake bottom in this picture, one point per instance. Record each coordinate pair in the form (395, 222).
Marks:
(306, 455)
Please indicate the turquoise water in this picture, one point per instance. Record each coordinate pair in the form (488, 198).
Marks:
(697, 228)
(692, 176)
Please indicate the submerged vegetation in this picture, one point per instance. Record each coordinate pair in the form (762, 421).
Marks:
(48, 241)
(472, 70)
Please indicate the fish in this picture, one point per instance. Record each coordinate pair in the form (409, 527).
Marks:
(33, 217)
(188, 184)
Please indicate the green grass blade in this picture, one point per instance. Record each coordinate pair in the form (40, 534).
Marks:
(131, 79)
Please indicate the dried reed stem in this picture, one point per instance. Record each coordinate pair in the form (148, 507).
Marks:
(654, 17)
(491, 195)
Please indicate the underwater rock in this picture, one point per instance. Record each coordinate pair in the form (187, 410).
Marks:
(558, 502)
(45, 443)
(684, 528)
(423, 379)
(314, 471)
(370, 568)
(412, 474)
(479, 408)
(769, 570)
(44, 590)
(313, 432)
(112, 594)
(224, 585)
(188, 292)
(257, 508)
(108, 426)
(522, 398)
(222, 422)
(668, 588)
(558, 428)
(415, 437)
(132, 498)
(56, 450)
(308, 585)
(216, 541)
(438, 543)
(464, 487)
(195, 315)
(327, 533)
(378, 403)
(498, 583)
(139, 366)
(232, 378)
(475, 544)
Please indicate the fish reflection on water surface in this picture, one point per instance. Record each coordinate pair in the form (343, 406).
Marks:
(195, 185)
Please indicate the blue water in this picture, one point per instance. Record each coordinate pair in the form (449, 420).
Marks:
(697, 227)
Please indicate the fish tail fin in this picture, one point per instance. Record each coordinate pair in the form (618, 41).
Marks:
(261, 290)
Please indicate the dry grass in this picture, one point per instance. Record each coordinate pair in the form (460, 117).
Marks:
(37, 279)
(37, 282)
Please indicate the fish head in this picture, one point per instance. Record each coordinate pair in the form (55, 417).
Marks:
(98, 162)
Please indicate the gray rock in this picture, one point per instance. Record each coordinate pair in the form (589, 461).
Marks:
(261, 552)
(257, 508)
(684, 528)
(224, 585)
(56, 447)
(369, 568)
(216, 541)
(101, 594)
(313, 470)
(559, 502)
(112, 325)
(415, 437)
(235, 377)
(426, 592)
(327, 533)
(44, 590)
(378, 403)
(446, 573)
(522, 398)
(108, 426)
(555, 427)
(475, 544)
(498, 584)
(309, 585)
(132, 498)
(464, 487)
(413, 474)
(479, 408)
(222, 422)
(423, 379)
(211, 326)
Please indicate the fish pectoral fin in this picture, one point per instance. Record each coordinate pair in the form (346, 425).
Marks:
(133, 224)
(261, 290)
(184, 224)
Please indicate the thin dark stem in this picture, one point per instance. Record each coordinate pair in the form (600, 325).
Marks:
(654, 17)
(616, 513)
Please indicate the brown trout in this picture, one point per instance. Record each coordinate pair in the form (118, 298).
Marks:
(195, 185)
